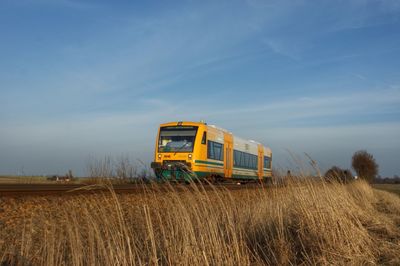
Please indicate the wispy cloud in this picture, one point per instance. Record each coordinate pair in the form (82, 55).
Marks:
(160, 110)
(311, 106)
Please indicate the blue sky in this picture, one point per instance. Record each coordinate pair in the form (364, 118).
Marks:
(95, 78)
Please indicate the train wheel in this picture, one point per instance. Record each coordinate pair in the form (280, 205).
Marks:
(211, 179)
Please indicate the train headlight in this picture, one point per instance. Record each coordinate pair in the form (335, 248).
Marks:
(190, 156)
(159, 156)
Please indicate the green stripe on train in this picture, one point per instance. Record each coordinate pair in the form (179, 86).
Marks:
(243, 168)
(205, 174)
(244, 176)
(208, 162)
(201, 175)
(213, 167)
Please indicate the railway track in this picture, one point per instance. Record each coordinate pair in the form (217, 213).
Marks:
(17, 190)
(44, 189)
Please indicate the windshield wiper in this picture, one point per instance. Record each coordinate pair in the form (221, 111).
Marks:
(180, 148)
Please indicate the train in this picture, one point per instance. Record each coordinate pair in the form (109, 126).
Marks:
(187, 151)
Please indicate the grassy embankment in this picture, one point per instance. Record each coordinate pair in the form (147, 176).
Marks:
(304, 222)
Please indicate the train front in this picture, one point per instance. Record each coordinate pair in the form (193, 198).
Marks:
(175, 151)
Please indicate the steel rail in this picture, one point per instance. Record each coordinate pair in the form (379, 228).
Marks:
(73, 189)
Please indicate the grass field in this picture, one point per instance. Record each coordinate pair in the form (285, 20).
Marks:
(394, 188)
(305, 222)
(22, 179)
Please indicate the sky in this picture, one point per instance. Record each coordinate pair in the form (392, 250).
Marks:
(84, 79)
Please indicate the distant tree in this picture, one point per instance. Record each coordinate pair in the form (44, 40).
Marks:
(364, 164)
(396, 179)
(338, 174)
(70, 174)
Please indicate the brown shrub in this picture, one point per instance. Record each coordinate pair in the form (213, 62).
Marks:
(339, 175)
(364, 164)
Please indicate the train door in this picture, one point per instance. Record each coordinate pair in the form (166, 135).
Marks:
(228, 152)
(260, 161)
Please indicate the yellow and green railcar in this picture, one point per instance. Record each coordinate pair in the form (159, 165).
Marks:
(208, 152)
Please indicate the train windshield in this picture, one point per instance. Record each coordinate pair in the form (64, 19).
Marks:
(177, 139)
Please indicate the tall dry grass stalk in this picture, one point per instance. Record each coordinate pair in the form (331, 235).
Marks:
(305, 222)
(118, 170)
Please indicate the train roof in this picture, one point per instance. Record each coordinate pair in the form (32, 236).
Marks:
(175, 123)
(192, 123)
(220, 128)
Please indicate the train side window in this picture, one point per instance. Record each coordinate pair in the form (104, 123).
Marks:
(242, 159)
(210, 150)
(245, 160)
(215, 150)
(236, 158)
(218, 151)
(267, 162)
(204, 138)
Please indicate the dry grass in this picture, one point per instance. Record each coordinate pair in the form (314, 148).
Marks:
(304, 222)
